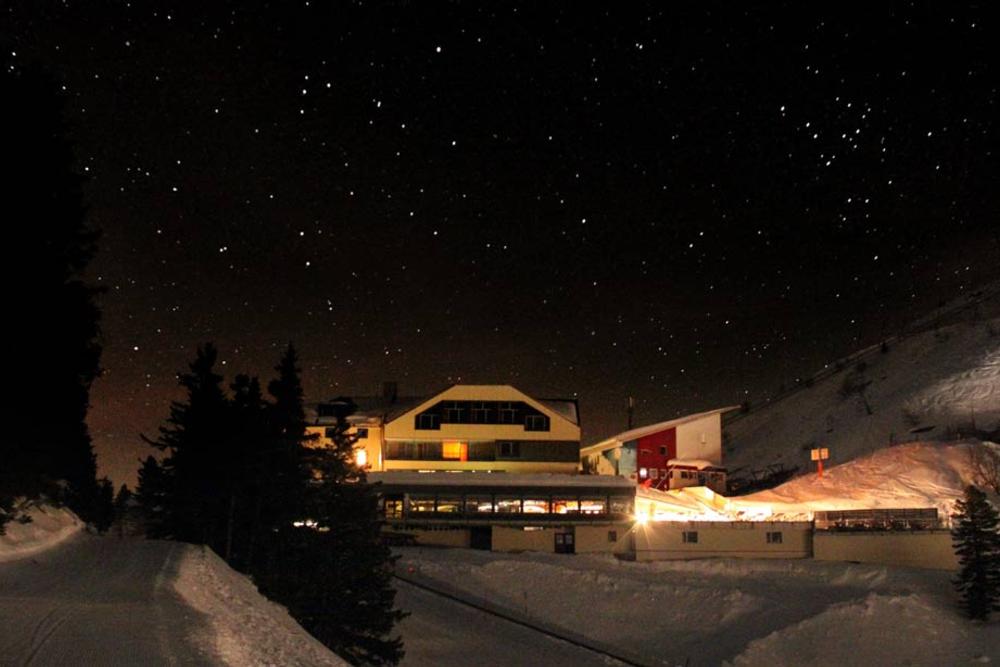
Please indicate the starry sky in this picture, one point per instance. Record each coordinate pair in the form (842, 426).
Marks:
(693, 204)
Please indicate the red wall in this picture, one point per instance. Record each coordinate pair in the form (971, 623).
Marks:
(652, 443)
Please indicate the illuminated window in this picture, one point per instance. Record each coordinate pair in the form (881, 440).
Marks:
(565, 505)
(361, 458)
(421, 503)
(536, 506)
(393, 508)
(643, 473)
(455, 450)
(478, 504)
(593, 505)
(449, 504)
(508, 504)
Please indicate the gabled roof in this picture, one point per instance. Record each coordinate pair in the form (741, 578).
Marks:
(562, 408)
(642, 431)
(381, 407)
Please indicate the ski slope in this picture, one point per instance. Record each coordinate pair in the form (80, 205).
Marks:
(941, 384)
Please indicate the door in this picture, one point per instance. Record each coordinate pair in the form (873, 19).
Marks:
(565, 541)
(481, 537)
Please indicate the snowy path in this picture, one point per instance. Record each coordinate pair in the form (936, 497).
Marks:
(96, 601)
(442, 632)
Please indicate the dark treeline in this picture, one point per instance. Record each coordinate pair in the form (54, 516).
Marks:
(52, 320)
(235, 472)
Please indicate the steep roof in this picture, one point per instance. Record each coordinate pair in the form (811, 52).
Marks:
(642, 431)
(389, 409)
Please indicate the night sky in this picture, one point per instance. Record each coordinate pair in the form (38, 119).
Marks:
(689, 204)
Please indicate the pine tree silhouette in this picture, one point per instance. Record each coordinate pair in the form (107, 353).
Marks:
(977, 543)
(197, 442)
(151, 495)
(334, 574)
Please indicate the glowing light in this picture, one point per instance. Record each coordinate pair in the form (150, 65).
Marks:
(361, 458)
(642, 518)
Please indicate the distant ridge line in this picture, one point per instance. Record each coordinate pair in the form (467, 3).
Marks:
(925, 323)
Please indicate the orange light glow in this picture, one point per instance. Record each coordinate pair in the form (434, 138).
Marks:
(455, 450)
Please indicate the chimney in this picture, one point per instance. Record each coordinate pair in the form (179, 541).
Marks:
(390, 392)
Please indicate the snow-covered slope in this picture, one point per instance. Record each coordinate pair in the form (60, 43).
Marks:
(245, 628)
(47, 527)
(939, 384)
(910, 475)
(712, 612)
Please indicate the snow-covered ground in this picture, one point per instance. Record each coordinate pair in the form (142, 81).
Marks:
(934, 385)
(244, 628)
(68, 597)
(440, 632)
(910, 475)
(48, 526)
(739, 612)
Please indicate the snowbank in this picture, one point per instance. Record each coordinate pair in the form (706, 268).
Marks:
(878, 630)
(911, 475)
(741, 612)
(245, 627)
(48, 527)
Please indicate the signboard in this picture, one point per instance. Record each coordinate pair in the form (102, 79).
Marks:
(820, 454)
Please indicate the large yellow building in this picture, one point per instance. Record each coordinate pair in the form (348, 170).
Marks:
(502, 469)
(483, 428)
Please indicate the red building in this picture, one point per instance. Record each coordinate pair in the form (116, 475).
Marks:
(680, 452)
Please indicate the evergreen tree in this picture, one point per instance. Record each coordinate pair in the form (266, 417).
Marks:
(151, 495)
(55, 318)
(197, 442)
(122, 499)
(977, 543)
(334, 574)
(249, 470)
(284, 457)
(104, 513)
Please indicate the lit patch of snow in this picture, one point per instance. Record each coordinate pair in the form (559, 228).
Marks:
(245, 627)
(911, 475)
(48, 527)
(878, 630)
(904, 476)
